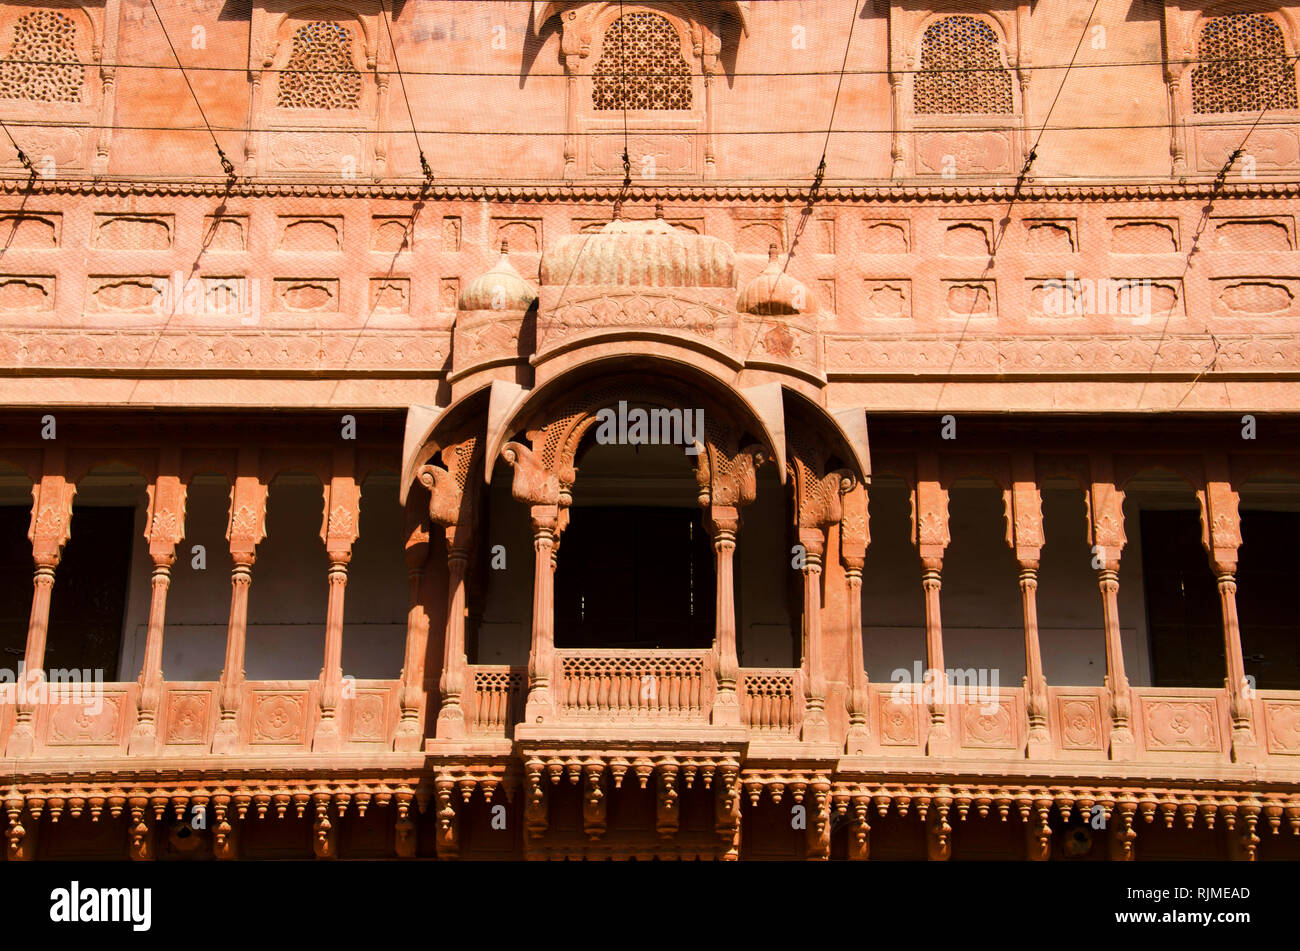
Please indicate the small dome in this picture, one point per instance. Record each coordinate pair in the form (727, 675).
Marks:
(773, 292)
(499, 288)
(640, 254)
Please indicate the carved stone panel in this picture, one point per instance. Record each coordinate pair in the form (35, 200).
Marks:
(188, 718)
(1180, 725)
(1080, 723)
(73, 722)
(1282, 726)
(989, 724)
(278, 718)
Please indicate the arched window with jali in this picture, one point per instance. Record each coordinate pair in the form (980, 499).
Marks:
(42, 65)
(961, 70)
(320, 72)
(1243, 66)
(641, 67)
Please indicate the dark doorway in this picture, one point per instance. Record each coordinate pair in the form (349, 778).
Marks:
(1184, 616)
(634, 577)
(90, 591)
(16, 568)
(1268, 576)
(1184, 623)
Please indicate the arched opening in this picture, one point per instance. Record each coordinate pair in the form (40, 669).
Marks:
(16, 564)
(768, 591)
(635, 566)
(893, 604)
(1169, 610)
(1267, 574)
(100, 600)
(289, 593)
(374, 612)
(1069, 604)
(198, 603)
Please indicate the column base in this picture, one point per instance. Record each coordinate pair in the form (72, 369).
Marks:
(1122, 745)
(144, 739)
(226, 737)
(328, 738)
(539, 708)
(409, 738)
(1040, 745)
(22, 741)
(815, 728)
(858, 741)
(939, 743)
(1245, 748)
(451, 722)
(726, 709)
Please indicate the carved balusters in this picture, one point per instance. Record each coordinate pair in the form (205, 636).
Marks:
(594, 799)
(409, 735)
(855, 535)
(339, 532)
(727, 809)
(930, 535)
(1221, 536)
(452, 494)
(1024, 512)
(667, 800)
(22, 835)
(247, 528)
(49, 532)
(1106, 535)
(164, 529)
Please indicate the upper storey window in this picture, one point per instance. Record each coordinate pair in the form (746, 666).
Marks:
(641, 67)
(320, 73)
(1243, 66)
(961, 70)
(42, 65)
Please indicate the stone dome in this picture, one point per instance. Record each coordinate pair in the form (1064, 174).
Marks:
(640, 254)
(773, 292)
(501, 287)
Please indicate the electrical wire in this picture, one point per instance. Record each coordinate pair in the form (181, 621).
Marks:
(226, 165)
(425, 168)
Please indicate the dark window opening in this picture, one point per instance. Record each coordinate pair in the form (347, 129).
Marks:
(16, 570)
(1184, 615)
(90, 586)
(1184, 623)
(635, 577)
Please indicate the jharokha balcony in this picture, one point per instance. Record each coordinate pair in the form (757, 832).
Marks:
(371, 643)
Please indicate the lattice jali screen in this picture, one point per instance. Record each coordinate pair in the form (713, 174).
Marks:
(961, 71)
(320, 73)
(42, 65)
(1243, 66)
(641, 66)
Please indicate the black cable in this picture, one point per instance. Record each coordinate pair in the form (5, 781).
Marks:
(623, 95)
(226, 165)
(22, 156)
(425, 169)
(821, 166)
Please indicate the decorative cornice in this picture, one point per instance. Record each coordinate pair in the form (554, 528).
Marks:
(597, 192)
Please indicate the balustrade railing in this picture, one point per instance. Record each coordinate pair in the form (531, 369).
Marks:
(498, 699)
(632, 683)
(772, 699)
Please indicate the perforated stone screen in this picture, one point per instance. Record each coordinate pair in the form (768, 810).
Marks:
(320, 73)
(641, 66)
(42, 65)
(1243, 66)
(961, 71)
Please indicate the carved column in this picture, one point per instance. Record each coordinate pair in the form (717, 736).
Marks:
(540, 488)
(817, 504)
(731, 483)
(1177, 145)
(49, 532)
(164, 529)
(246, 530)
(1221, 536)
(339, 532)
(451, 504)
(1106, 535)
(931, 537)
(854, 538)
(1024, 511)
(409, 735)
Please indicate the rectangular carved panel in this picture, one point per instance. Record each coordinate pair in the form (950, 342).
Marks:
(188, 718)
(116, 232)
(1282, 726)
(29, 230)
(1080, 724)
(22, 293)
(279, 718)
(1175, 724)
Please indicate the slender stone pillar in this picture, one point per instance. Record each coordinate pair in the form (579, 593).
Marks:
(931, 536)
(50, 528)
(339, 532)
(816, 728)
(1106, 530)
(409, 735)
(451, 684)
(164, 529)
(246, 530)
(1221, 536)
(541, 654)
(854, 538)
(724, 523)
(1025, 535)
